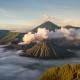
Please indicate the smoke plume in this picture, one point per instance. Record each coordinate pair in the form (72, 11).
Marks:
(43, 33)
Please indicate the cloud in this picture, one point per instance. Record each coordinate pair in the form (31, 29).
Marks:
(11, 19)
(44, 19)
(43, 33)
(54, 20)
(73, 22)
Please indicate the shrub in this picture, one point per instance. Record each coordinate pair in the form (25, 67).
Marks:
(66, 72)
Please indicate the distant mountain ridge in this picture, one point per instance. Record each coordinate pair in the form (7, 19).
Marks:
(51, 26)
(69, 26)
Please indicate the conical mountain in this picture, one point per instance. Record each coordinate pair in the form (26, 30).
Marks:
(47, 50)
(48, 25)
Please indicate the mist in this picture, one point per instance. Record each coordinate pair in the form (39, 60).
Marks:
(15, 67)
(43, 33)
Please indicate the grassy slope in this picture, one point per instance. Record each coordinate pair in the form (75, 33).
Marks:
(9, 37)
(66, 72)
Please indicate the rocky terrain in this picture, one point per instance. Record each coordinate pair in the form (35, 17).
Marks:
(47, 50)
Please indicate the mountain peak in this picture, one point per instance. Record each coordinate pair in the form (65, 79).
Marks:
(48, 22)
(48, 25)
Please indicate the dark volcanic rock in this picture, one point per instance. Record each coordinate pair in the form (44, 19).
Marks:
(67, 44)
(47, 50)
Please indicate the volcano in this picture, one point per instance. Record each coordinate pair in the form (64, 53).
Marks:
(47, 25)
(47, 50)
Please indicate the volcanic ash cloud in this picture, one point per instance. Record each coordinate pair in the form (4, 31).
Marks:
(43, 33)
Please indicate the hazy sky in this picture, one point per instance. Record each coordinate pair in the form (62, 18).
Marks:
(23, 12)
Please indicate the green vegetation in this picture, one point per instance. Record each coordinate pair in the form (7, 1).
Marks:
(9, 37)
(66, 72)
(47, 50)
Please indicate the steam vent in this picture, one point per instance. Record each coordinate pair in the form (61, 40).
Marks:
(47, 50)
